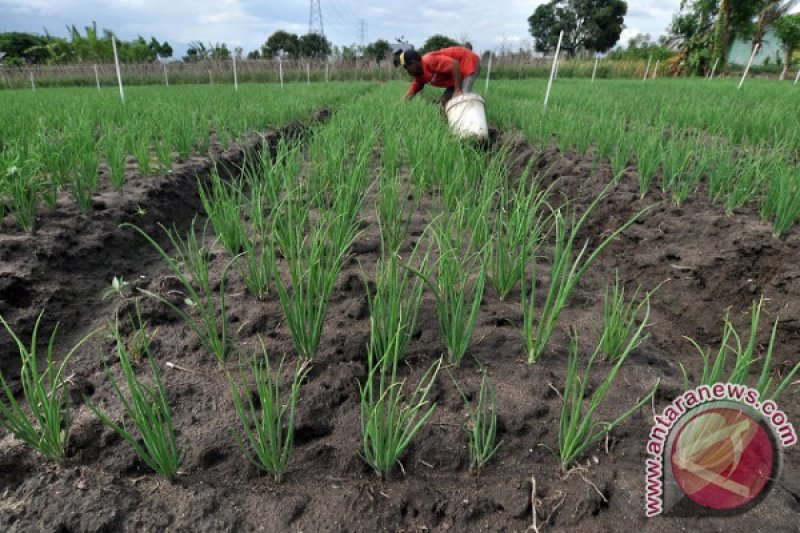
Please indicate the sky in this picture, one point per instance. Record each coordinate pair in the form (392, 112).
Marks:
(248, 23)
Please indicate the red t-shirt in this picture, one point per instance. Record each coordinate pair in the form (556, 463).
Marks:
(437, 67)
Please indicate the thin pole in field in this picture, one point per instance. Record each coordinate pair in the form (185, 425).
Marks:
(749, 64)
(594, 70)
(655, 70)
(488, 74)
(166, 78)
(553, 69)
(797, 77)
(235, 78)
(647, 69)
(308, 73)
(33, 83)
(119, 74)
(210, 78)
(97, 77)
(714, 69)
(280, 71)
(326, 71)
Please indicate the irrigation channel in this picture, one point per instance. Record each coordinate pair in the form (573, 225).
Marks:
(379, 176)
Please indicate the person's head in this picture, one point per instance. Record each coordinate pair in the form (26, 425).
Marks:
(409, 60)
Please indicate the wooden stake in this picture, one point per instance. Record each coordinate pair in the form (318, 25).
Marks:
(553, 68)
(749, 64)
(119, 74)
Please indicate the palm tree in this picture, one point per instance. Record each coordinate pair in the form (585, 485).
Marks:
(771, 11)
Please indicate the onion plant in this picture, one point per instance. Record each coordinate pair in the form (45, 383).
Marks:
(192, 255)
(519, 225)
(649, 148)
(22, 188)
(256, 264)
(147, 420)
(44, 425)
(395, 305)
(164, 153)
(723, 172)
(394, 212)
(619, 318)
(565, 274)
(389, 420)
(85, 177)
(744, 358)
(481, 424)
(577, 430)
(314, 262)
(266, 434)
(257, 261)
(224, 202)
(114, 150)
(210, 324)
(460, 281)
(141, 151)
(782, 201)
(753, 172)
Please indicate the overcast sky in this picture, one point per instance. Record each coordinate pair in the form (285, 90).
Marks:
(488, 24)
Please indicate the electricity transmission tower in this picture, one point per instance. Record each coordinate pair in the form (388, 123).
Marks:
(362, 32)
(315, 16)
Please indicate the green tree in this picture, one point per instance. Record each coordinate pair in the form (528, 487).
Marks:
(437, 42)
(197, 51)
(314, 45)
(769, 13)
(640, 47)
(160, 49)
(378, 50)
(788, 30)
(593, 25)
(281, 44)
(22, 48)
(219, 51)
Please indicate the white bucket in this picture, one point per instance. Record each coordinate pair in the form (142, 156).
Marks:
(466, 116)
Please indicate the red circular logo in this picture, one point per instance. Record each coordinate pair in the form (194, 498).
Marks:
(722, 458)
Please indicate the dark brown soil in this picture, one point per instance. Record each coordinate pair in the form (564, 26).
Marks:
(707, 262)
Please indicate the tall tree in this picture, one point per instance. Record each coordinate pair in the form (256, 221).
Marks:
(788, 30)
(437, 42)
(378, 50)
(771, 11)
(314, 45)
(727, 20)
(23, 48)
(706, 29)
(593, 25)
(197, 51)
(281, 44)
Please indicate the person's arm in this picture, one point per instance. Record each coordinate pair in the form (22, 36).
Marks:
(456, 70)
(413, 89)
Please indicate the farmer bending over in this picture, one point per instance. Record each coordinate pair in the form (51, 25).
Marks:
(454, 68)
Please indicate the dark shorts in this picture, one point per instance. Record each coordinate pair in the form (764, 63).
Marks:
(466, 85)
